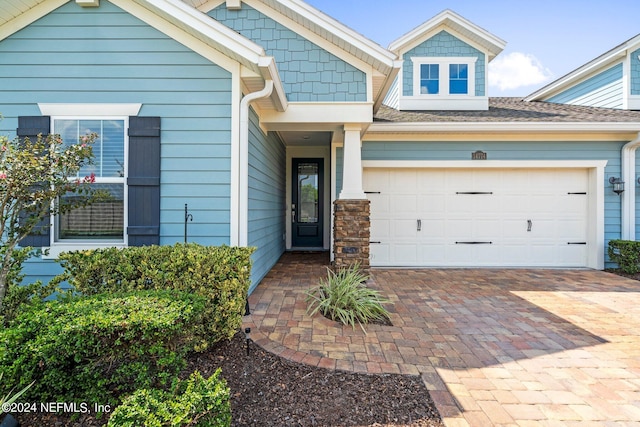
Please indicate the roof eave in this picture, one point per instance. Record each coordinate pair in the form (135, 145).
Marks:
(505, 127)
(493, 44)
(564, 82)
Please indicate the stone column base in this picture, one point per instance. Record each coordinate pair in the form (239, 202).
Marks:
(351, 233)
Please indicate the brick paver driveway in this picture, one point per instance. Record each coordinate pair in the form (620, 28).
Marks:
(494, 347)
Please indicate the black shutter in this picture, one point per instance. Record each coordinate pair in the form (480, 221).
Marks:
(144, 181)
(30, 127)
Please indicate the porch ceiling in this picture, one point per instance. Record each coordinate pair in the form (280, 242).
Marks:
(305, 138)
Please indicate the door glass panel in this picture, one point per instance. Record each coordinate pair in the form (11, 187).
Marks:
(308, 192)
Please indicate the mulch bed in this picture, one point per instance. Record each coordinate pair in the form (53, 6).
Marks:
(267, 390)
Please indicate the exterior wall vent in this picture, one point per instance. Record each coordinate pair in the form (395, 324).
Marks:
(88, 3)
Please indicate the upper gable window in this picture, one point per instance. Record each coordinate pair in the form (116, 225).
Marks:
(447, 76)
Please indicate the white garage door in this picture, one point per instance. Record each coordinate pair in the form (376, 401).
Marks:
(480, 217)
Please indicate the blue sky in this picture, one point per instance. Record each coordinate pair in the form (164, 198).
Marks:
(545, 39)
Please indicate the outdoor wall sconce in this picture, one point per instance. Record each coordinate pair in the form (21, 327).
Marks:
(618, 185)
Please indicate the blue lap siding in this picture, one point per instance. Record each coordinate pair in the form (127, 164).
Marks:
(105, 55)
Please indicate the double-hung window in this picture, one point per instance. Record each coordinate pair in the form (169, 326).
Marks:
(444, 76)
(104, 220)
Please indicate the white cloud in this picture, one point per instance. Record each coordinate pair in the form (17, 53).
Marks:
(515, 70)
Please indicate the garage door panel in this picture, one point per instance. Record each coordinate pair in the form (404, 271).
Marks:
(529, 217)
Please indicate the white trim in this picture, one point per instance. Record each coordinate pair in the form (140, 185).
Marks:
(628, 198)
(315, 17)
(318, 114)
(593, 67)
(595, 238)
(546, 127)
(336, 141)
(457, 24)
(54, 252)
(352, 164)
(88, 3)
(57, 246)
(234, 208)
(25, 19)
(633, 102)
(444, 76)
(208, 37)
(82, 110)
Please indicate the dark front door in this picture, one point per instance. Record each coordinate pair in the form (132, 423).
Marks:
(306, 203)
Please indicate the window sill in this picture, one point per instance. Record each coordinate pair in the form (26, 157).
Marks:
(53, 252)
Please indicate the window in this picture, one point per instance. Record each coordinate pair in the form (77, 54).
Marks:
(429, 78)
(444, 76)
(458, 79)
(104, 219)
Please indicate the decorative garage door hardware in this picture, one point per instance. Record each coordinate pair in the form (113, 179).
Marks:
(474, 243)
(474, 192)
(578, 194)
(529, 225)
(371, 192)
(576, 243)
(375, 243)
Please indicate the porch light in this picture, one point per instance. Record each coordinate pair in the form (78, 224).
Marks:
(618, 185)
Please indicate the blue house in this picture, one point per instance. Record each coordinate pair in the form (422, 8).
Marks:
(283, 129)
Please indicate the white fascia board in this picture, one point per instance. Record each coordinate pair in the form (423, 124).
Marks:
(494, 44)
(332, 26)
(587, 70)
(269, 71)
(201, 27)
(497, 127)
(33, 14)
(81, 110)
(384, 90)
(318, 114)
(315, 38)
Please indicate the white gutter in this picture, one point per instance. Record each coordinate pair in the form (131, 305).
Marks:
(628, 202)
(243, 159)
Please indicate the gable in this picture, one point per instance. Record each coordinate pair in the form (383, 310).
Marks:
(443, 44)
(308, 72)
(602, 90)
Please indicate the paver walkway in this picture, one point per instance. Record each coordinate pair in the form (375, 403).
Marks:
(494, 347)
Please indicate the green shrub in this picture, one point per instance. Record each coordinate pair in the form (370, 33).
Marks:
(18, 296)
(93, 349)
(344, 297)
(626, 254)
(220, 274)
(197, 401)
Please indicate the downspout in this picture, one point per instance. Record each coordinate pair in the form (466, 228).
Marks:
(243, 159)
(628, 171)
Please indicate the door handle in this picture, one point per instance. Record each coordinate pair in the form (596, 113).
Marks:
(419, 225)
(529, 225)
(293, 213)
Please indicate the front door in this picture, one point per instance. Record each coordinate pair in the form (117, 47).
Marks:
(306, 203)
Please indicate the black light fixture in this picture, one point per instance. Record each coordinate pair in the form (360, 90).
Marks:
(618, 185)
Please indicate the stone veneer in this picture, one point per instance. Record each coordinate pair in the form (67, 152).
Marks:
(351, 233)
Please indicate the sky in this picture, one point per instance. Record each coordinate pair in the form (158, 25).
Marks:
(545, 39)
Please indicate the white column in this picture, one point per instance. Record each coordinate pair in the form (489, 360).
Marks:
(352, 164)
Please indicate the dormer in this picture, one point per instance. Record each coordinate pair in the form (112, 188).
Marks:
(444, 65)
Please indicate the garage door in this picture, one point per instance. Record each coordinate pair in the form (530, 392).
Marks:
(480, 217)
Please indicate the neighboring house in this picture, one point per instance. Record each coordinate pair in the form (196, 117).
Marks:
(282, 129)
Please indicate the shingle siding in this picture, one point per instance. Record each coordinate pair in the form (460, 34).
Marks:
(308, 72)
(443, 44)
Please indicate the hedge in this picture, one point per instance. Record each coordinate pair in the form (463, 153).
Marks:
(626, 254)
(196, 401)
(220, 274)
(93, 349)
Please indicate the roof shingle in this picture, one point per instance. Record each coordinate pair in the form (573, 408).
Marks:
(511, 109)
